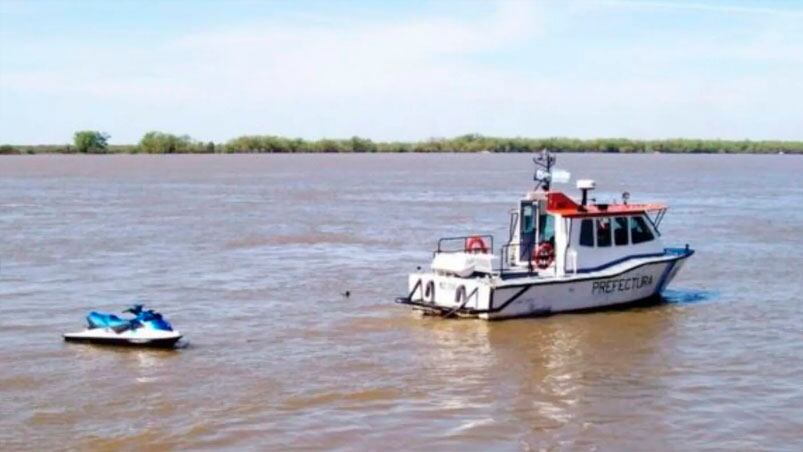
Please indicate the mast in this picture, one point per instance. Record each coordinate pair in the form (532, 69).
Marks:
(543, 169)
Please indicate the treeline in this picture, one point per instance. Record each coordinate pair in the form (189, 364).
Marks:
(165, 143)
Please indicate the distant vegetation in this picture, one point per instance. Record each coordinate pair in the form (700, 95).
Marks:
(88, 141)
(165, 143)
(91, 141)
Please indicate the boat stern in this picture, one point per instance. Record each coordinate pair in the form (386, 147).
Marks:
(448, 295)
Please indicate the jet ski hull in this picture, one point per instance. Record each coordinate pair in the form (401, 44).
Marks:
(108, 337)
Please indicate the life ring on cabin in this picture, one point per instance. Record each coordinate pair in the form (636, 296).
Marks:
(475, 244)
(429, 292)
(543, 255)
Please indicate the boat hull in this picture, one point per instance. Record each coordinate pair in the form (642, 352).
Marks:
(634, 286)
(104, 336)
(497, 298)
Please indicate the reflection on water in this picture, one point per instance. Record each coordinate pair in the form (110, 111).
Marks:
(689, 296)
(248, 256)
(135, 364)
(549, 370)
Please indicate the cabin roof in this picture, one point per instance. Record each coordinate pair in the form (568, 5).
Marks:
(560, 204)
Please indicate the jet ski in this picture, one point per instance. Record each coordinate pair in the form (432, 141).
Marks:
(147, 328)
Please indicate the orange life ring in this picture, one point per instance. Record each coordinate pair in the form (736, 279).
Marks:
(543, 255)
(475, 244)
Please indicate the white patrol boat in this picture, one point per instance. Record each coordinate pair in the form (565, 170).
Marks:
(561, 256)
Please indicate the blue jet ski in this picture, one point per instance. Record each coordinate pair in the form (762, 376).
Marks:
(147, 328)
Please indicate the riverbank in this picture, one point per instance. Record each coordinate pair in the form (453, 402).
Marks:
(462, 144)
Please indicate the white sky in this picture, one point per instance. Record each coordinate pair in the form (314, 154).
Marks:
(401, 71)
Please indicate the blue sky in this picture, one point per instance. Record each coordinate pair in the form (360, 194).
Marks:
(401, 70)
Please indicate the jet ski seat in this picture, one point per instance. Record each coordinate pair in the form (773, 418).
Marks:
(102, 320)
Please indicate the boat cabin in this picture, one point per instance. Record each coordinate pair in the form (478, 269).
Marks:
(553, 235)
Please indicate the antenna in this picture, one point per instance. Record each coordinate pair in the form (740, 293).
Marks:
(585, 185)
(543, 166)
(544, 175)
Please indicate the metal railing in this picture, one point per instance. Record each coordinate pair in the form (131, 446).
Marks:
(504, 266)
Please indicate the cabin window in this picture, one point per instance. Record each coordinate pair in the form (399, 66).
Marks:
(620, 231)
(546, 228)
(587, 233)
(603, 232)
(639, 231)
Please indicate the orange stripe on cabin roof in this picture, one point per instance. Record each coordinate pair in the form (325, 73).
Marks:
(560, 204)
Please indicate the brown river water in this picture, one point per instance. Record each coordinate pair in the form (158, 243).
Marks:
(248, 256)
